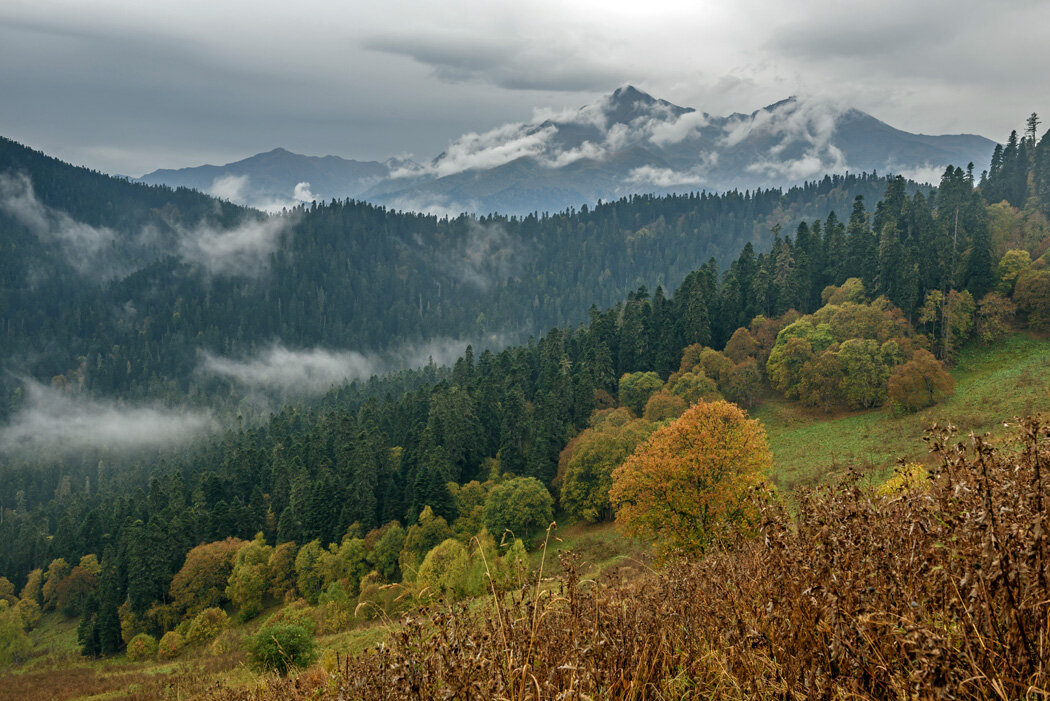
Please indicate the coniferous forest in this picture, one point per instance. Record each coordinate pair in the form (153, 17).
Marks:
(605, 344)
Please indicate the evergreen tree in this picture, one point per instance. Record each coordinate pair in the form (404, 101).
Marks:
(107, 622)
(861, 246)
(980, 266)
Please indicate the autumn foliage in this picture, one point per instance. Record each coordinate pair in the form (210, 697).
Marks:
(202, 581)
(919, 383)
(937, 590)
(688, 481)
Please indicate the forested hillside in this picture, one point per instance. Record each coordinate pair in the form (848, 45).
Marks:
(122, 289)
(374, 482)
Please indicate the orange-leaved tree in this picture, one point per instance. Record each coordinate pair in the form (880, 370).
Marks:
(684, 486)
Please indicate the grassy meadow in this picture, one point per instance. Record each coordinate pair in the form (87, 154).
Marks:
(993, 384)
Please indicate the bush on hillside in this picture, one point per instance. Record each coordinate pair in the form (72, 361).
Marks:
(919, 383)
(15, 645)
(278, 648)
(170, 645)
(206, 625)
(521, 506)
(142, 647)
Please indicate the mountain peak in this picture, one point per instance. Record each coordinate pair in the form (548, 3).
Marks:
(793, 99)
(630, 94)
(279, 151)
(628, 103)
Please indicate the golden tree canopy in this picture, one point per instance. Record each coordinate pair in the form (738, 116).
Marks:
(685, 484)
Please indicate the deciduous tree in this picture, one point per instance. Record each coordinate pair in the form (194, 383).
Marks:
(919, 383)
(688, 482)
(522, 506)
(202, 581)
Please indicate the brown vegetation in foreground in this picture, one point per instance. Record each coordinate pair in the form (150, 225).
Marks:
(132, 682)
(938, 591)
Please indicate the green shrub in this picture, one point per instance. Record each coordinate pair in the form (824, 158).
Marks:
(206, 625)
(336, 608)
(142, 647)
(377, 599)
(170, 646)
(445, 568)
(278, 647)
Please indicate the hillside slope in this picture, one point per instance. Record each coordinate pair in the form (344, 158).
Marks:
(993, 385)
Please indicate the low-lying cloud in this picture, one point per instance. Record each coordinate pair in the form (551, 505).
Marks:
(283, 372)
(242, 250)
(487, 256)
(485, 150)
(664, 177)
(301, 193)
(102, 253)
(921, 174)
(53, 421)
(675, 132)
(238, 189)
(803, 127)
(85, 247)
(229, 187)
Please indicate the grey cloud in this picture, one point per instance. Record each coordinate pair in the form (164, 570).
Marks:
(488, 255)
(436, 205)
(808, 122)
(84, 246)
(132, 87)
(680, 129)
(923, 174)
(282, 372)
(236, 188)
(501, 61)
(868, 37)
(57, 422)
(487, 150)
(242, 250)
(446, 351)
(291, 372)
(229, 187)
(301, 193)
(664, 177)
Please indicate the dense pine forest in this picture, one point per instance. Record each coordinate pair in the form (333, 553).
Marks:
(692, 300)
(118, 288)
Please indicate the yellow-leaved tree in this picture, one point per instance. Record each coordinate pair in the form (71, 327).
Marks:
(685, 485)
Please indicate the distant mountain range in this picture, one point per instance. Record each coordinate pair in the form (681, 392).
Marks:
(627, 142)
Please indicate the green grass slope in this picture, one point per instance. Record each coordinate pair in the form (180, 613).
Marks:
(993, 384)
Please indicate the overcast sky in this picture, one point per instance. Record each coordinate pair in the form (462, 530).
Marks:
(127, 87)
